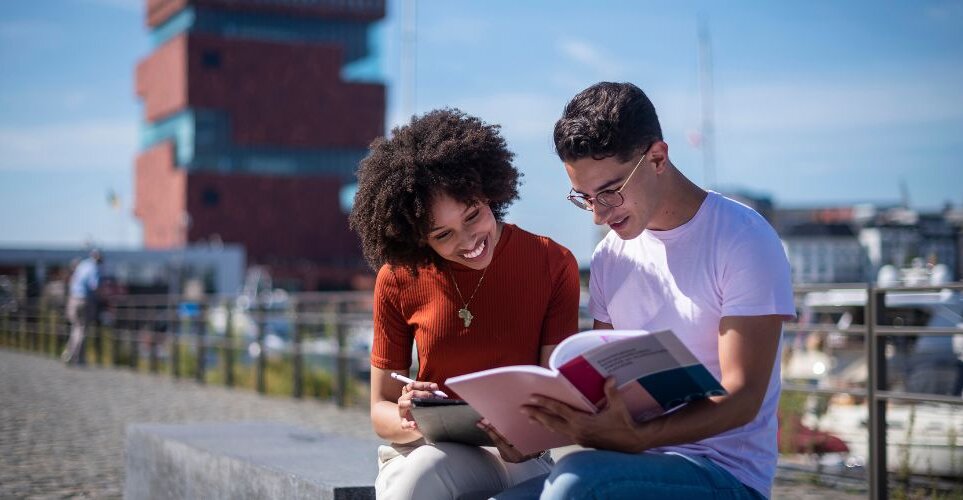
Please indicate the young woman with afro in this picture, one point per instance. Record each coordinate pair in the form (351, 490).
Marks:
(471, 291)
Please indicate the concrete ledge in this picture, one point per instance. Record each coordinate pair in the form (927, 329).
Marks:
(246, 460)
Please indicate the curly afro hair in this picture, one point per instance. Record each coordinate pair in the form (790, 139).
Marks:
(443, 151)
(607, 119)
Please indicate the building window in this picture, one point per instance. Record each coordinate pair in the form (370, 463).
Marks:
(210, 197)
(211, 59)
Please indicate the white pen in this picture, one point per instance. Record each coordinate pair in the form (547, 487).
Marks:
(402, 378)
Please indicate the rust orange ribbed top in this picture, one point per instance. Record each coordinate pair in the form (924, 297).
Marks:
(529, 298)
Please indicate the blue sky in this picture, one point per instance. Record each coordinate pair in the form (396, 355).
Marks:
(816, 102)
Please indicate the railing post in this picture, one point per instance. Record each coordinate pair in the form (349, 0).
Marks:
(43, 331)
(60, 326)
(4, 327)
(152, 340)
(229, 346)
(98, 341)
(52, 332)
(63, 331)
(175, 354)
(7, 337)
(261, 352)
(133, 335)
(50, 337)
(38, 325)
(55, 326)
(297, 359)
(43, 318)
(49, 318)
(150, 320)
(7, 340)
(22, 340)
(201, 343)
(175, 329)
(341, 378)
(8, 328)
(876, 362)
(115, 342)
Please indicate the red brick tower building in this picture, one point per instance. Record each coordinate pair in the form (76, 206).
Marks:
(256, 114)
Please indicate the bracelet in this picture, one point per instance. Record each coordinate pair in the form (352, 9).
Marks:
(541, 454)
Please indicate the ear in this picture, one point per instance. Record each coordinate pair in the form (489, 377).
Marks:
(659, 156)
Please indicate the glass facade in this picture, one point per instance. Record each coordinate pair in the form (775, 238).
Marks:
(358, 39)
(202, 141)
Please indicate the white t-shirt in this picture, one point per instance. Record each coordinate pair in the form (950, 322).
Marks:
(725, 261)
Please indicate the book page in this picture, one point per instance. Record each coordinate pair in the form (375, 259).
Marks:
(631, 358)
(577, 344)
(498, 395)
(657, 362)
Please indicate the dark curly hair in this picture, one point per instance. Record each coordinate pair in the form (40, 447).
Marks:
(443, 151)
(604, 120)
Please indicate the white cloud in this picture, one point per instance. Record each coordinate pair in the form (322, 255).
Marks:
(33, 32)
(523, 116)
(944, 11)
(75, 99)
(844, 105)
(44, 101)
(589, 56)
(101, 144)
(129, 5)
(455, 30)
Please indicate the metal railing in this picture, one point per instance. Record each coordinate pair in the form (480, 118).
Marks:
(277, 340)
(876, 393)
(159, 333)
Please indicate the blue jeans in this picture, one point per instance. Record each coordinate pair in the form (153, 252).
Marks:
(610, 475)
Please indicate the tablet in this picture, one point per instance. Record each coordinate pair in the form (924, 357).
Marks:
(448, 420)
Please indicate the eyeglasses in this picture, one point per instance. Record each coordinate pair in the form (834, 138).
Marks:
(607, 198)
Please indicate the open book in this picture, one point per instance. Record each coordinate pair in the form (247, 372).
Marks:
(655, 373)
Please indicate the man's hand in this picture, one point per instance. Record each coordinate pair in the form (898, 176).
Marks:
(610, 429)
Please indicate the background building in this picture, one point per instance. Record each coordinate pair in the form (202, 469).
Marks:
(256, 115)
(824, 253)
(821, 242)
(897, 236)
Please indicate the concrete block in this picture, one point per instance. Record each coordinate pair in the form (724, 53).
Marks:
(246, 460)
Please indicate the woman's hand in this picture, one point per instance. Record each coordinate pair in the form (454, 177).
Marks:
(506, 449)
(409, 391)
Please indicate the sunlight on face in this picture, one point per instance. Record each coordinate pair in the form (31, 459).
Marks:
(466, 234)
(589, 176)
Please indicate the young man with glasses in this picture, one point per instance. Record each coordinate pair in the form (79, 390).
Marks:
(682, 258)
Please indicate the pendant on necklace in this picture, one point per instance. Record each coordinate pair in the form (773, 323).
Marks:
(465, 314)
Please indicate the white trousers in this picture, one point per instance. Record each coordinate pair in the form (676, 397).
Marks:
(77, 316)
(449, 471)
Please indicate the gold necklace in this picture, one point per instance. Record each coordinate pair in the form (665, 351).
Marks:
(464, 313)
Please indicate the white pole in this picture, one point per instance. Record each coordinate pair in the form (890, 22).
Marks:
(706, 95)
(409, 58)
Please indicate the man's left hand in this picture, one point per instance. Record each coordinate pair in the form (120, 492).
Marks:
(612, 428)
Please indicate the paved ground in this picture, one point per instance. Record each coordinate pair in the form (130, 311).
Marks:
(62, 429)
